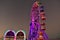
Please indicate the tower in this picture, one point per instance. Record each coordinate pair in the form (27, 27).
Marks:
(37, 27)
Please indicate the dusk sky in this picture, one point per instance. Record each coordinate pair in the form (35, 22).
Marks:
(15, 15)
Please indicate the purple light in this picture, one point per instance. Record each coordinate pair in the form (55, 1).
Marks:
(35, 25)
(10, 33)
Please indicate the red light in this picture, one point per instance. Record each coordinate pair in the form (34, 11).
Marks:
(43, 28)
(43, 18)
(42, 13)
(40, 33)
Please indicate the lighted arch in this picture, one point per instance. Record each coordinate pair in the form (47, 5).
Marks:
(22, 32)
(9, 33)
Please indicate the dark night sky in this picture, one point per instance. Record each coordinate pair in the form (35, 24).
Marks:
(14, 14)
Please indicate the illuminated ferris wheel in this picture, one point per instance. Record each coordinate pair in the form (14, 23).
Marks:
(37, 23)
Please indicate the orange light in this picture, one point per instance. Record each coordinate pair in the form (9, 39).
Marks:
(40, 33)
(40, 37)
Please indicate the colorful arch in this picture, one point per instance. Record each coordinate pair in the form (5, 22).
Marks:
(23, 33)
(9, 33)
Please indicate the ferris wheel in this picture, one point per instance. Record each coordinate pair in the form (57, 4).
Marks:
(37, 23)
